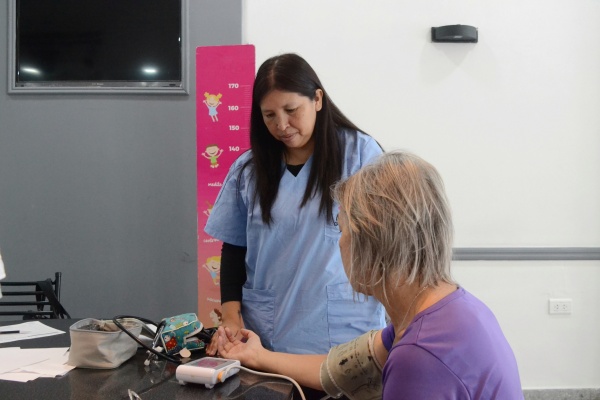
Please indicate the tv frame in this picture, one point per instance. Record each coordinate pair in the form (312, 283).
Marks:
(108, 87)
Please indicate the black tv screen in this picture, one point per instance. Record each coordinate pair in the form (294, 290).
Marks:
(98, 45)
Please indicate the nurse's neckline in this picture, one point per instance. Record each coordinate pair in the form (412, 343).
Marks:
(296, 159)
(298, 156)
(294, 169)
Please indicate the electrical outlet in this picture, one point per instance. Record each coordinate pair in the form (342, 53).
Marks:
(559, 306)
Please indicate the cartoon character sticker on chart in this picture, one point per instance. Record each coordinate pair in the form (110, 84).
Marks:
(209, 208)
(212, 153)
(216, 316)
(213, 266)
(212, 101)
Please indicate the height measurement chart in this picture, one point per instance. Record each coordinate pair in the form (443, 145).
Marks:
(224, 79)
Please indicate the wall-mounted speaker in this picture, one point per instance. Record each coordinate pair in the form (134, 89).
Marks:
(454, 34)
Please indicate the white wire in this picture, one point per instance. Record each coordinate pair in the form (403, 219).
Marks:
(134, 395)
(274, 376)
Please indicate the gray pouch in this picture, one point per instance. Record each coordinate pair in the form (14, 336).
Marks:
(101, 344)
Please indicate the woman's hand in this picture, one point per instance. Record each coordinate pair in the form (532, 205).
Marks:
(304, 368)
(247, 350)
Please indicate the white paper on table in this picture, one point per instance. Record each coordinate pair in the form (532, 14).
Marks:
(56, 365)
(13, 358)
(29, 330)
(24, 365)
(19, 376)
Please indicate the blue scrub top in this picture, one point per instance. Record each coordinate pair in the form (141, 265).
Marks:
(297, 297)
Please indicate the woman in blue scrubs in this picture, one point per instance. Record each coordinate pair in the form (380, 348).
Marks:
(281, 271)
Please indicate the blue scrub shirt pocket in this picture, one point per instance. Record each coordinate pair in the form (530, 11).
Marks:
(350, 315)
(332, 230)
(258, 311)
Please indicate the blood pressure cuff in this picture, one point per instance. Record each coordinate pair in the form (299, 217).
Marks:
(351, 369)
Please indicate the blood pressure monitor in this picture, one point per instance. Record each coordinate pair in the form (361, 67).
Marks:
(208, 371)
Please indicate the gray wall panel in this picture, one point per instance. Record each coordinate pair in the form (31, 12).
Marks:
(103, 187)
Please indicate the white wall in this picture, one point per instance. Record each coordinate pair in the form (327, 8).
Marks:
(511, 122)
(553, 351)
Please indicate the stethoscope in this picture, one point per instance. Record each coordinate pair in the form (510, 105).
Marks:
(156, 351)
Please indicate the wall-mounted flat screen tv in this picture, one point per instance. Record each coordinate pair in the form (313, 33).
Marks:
(97, 46)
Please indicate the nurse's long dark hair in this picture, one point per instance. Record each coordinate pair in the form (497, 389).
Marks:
(291, 73)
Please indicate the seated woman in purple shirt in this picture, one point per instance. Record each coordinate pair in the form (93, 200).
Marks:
(396, 246)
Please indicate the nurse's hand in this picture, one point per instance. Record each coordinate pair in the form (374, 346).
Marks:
(248, 350)
(231, 318)
(211, 349)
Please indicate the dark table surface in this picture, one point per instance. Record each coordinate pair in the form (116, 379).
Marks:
(156, 381)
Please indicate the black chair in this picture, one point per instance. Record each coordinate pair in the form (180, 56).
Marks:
(44, 296)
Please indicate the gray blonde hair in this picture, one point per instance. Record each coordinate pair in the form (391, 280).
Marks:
(399, 221)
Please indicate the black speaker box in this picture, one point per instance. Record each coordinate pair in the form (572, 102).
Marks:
(454, 34)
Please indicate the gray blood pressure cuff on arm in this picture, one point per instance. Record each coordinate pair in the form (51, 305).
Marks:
(351, 369)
